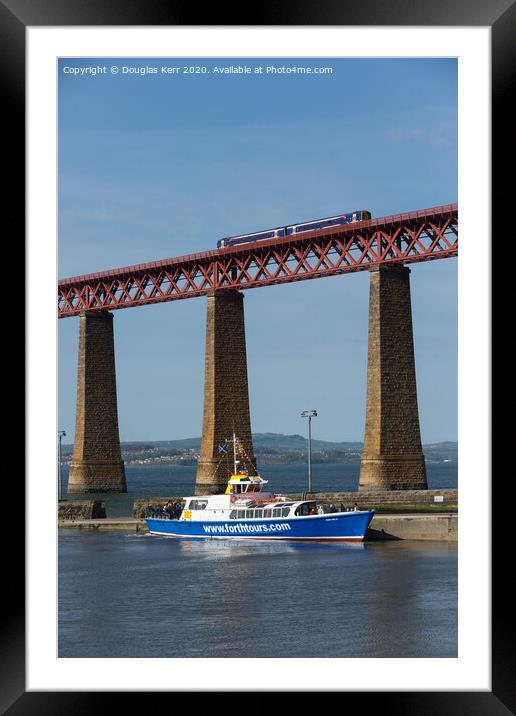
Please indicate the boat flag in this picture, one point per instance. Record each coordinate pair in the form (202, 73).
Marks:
(223, 449)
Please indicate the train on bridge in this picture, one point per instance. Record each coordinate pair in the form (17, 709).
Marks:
(282, 231)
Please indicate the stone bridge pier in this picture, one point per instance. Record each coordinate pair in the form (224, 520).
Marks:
(393, 456)
(96, 464)
(226, 393)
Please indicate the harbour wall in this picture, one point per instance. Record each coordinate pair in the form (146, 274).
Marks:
(365, 499)
(81, 509)
(380, 498)
(440, 527)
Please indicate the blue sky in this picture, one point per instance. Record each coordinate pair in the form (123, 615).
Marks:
(158, 165)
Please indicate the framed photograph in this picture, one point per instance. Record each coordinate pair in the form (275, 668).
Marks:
(136, 118)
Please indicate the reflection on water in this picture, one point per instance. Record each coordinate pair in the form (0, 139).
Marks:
(220, 548)
(143, 596)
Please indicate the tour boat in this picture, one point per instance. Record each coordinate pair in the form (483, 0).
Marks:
(246, 511)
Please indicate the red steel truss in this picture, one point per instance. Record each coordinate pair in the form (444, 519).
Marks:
(423, 235)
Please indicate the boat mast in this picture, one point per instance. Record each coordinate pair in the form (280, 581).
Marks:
(235, 461)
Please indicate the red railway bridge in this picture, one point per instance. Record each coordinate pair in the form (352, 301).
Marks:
(392, 457)
(423, 235)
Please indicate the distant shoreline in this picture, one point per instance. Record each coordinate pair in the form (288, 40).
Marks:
(162, 463)
(269, 449)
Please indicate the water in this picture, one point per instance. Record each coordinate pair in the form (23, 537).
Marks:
(135, 595)
(178, 481)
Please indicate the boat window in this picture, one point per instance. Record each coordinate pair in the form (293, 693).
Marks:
(276, 513)
(232, 515)
(303, 509)
(241, 514)
(267, 513)
(198, 504)
(258, 513)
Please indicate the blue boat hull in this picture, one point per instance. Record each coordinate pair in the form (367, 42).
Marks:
(335, 526)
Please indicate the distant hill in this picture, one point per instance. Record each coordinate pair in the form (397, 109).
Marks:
(281, 443)
(278, 443)
(261, 441)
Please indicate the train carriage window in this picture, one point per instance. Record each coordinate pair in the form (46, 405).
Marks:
(257, 237)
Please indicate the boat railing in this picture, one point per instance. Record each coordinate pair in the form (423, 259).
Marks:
(268, 500)
(156, 514)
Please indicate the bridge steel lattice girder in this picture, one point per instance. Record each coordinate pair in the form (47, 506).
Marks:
(424, 235)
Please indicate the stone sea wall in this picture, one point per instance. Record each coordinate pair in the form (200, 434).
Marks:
(81, 509)
(366, 498)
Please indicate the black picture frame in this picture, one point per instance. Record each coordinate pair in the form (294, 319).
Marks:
(500, 16)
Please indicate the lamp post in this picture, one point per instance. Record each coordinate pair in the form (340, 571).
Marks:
(60, 434)
(309, 414)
